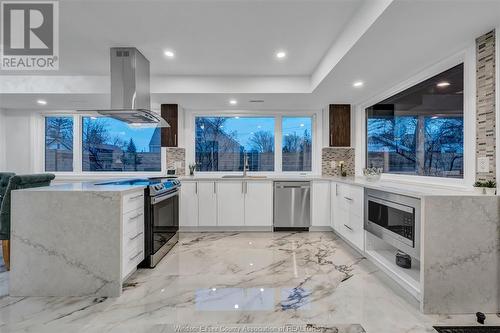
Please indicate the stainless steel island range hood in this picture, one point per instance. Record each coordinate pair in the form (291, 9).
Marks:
(130, 98)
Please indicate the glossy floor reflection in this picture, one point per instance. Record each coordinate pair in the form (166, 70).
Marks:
(238, 279)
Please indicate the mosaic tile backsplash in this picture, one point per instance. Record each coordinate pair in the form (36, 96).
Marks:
(329, 154)
(176, 159)
(485, 103)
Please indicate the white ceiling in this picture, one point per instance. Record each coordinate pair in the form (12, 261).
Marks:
(225, 49)
(208, 37)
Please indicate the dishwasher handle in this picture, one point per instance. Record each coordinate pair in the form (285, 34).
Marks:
(293, 186)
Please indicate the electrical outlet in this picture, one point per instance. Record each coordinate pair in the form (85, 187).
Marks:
(483, 164)
(333, 164)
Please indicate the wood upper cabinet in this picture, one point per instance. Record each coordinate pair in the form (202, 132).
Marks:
(169, 135)
(340, 125)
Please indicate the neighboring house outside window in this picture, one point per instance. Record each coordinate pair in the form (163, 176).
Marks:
(112, 145)
(222, 142)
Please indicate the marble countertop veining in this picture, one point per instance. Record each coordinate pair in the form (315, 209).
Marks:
(403, 188)
(87, 187)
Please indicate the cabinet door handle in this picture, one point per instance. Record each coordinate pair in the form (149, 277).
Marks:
(133, 257)
(135, 197)
(215, 188)
(132, 238)
(331, 139)
(246, 187)
(348, 227)
(196, 188)
(135, 217)
(175, 140)
(243, 187)
(336, 189)
(347, 198)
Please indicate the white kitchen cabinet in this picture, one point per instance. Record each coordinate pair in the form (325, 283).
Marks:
(188, 205)
(207, 203)
(230, 203)
(320, 201)
(347, 212)
(258, 203)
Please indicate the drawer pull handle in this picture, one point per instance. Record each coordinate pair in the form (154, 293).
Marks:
(135, 217)
(348, 227)
(133, 257)
(347, 198)
(136, 197)
(132, 238)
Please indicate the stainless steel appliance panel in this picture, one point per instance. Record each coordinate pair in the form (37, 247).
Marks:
(292, 204)
(395, 219)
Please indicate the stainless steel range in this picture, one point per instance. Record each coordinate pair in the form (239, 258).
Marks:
(161, 211)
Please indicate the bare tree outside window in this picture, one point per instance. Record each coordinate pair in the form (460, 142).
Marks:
(59, 144)
(221, 143)
(420, 130)
(112, 145)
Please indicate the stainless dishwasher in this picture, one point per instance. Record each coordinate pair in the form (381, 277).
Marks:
(292, 205)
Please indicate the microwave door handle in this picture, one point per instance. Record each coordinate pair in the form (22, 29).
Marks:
(391, 204)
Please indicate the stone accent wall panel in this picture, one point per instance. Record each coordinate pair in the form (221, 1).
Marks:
(329, 154)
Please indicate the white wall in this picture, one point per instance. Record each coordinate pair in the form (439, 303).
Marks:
(18, 132)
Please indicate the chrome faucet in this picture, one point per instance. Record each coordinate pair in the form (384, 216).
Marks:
(245, 164)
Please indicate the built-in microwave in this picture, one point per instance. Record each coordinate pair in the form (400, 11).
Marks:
(395, 219)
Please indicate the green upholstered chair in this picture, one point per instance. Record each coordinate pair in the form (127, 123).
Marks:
(4, 181)
(17, 183)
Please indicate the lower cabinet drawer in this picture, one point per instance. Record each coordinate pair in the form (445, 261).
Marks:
(132, 240)
(133, 201)
(353, 231)
(132, 255)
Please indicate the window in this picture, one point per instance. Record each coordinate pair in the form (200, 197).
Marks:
(222, 142)
(59, 144)
(296, 144)
(112, 145)
(420, 131)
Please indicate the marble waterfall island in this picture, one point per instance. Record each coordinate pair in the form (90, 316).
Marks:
(70, 240)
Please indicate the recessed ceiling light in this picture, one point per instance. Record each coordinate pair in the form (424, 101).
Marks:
(443, 84)
(233, 102)
(358, 84)
(236, 306)
(280, 54)
(42, 102)
(169, 54)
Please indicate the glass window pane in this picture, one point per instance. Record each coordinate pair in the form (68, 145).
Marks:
(222, 142)
(112, 145)
(58, 143)
(420, 130)
(297, 144)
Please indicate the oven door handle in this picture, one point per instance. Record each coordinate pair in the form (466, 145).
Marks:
(158, 199)
(391, 204)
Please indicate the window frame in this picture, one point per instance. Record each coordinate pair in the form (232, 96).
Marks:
(468, 58)
(78, 172)
(278, 117)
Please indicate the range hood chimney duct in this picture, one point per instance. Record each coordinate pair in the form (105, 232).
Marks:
(130, 93)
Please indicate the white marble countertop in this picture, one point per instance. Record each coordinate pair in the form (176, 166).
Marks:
(87, 187)
(404, 188)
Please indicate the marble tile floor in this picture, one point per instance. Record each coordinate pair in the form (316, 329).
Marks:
(232, 281)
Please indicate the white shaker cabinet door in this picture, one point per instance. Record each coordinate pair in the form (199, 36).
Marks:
(188, 205)
(207, 203)
(320, 203)
(230, 203)
(258, 203)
